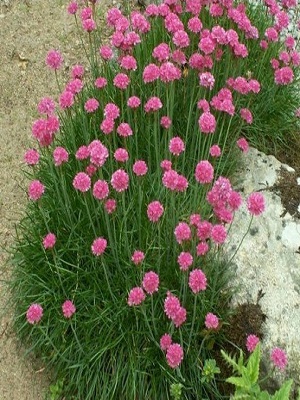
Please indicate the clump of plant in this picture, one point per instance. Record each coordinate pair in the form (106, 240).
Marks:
(120, 281)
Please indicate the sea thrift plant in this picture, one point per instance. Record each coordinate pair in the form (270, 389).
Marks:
(130, 199)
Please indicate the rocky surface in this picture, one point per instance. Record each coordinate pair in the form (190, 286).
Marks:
(268, 258)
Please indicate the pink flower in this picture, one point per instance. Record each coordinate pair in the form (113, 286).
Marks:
(206, 79)
(168, 72)
(203, 105)
(107, 126)
(179, 57)
(54, 59)
(211, 321)
(75, 86)
(129, 63)
(49, 241)
(89, 24)
(180, 317)
(218, 234)
(182, 232)
(31, 157)
(68, 308)
(136, 296)
(140, 168)
(124, 130)
(197, 281)
(271, 34)
(202, 248)
(161, 52)
(111, 111)
(204, 230)
(207, 122)
(106, 52)
(235, 200)
(284, 76)
(60, 156)
(66, 99)
(279, 358)
(256, 203)
(86, 13)
(171, 305)
(151, 10)
(246, 115)
(120, 180)
(34, 313)
(155, 211)
(121, 81)
(165, 122)
(91, 105)
(77, 71)
(167, 166)
(151, 73)
(113, 15)
(82, 153)
(215, 151)
(165, 341)
(181, 39)
(176, 146)
(174, 355)
(195, 25)
(243, 144)
(98, 246)
(204, 172)
(46, 106)
(36, 190)
(185, 260)
(251, 342)
(100, 82)
(195, 219)
(82, 182)
(121, 155)
(98, 153)
(100, 189)
(110, 205)
(72, 8)
(153, 104)
(133, 102)
(137, 257)
(91, 169)
(150, 282)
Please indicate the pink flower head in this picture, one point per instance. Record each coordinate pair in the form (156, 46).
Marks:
(264, 44)
(120, 180)
(121, 81)
(206, 79)
(180, 317)
(168, 72)
(215, 151)
(36, 190)
(89, 25)
(111, 111)
(207, 122)
(251, 342)
(256, 203)
(74, 86)
(86, 13)
(100, 82)
(176, 146)
(54, 59)
(243, 144)
(68, 308)
(151, 10)
(31, 157)
(165, 122)
(195, 219)
(155, 211)
(133, 102)
(204, 230)
(165, 341)
(136, 296)
(204, 172)
(117, 39)
(121, 155)
(151, 73)
(100, 189)
(182, 232)
(98, 153)
(77, 71)
(150, 282)
(173, 23)
(279, 358)
(46, 106)
(174, 355)
(153, 104)
(106, 52)
(246, 115)
(82, 153)
(91, 169)
(98, 246)
(113, 15)
(195, 25)
(234, 200)
(166, 165)
(60, 156)
(82, 182)
(49, 241)
(197, 281)
(91, 105)
(72, 8)
(124, 130)
(137, 257)
(218, 234)
(34, 313)
(284, 76)
(185, 260)
(110, 205)
(271, 34)
(202, 248)
(140, 168)
(107, 126)
(66, 99)
(211, 321)
(203, 105)
(181, 39)
(161, 52)
(179, 57)
(171, 305)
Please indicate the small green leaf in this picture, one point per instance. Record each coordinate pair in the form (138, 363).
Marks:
(253, 365)
(284, 392)
(237, 381)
